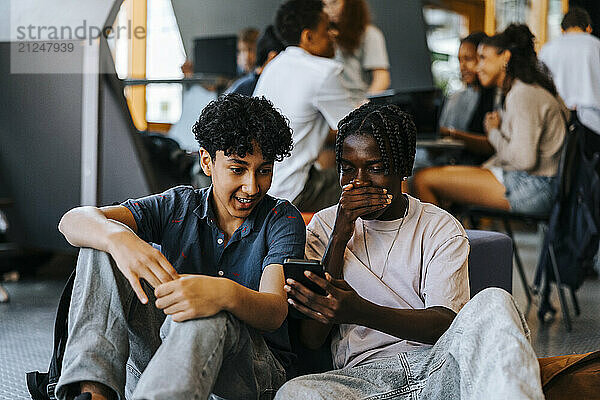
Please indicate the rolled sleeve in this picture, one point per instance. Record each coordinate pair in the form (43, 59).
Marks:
(286, 235)
(152, 213)
(447, 275)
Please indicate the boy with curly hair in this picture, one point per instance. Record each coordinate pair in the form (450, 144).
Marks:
(218, 276)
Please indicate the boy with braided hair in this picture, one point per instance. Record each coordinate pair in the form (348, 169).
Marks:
(397, 287)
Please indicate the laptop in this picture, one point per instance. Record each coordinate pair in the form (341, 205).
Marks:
(216, 55)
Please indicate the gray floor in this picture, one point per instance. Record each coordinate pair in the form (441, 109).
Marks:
(26, 322)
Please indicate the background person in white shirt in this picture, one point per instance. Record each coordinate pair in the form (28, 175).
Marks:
(360, 47)
(397, 284)
(303, 82)
(574, 61)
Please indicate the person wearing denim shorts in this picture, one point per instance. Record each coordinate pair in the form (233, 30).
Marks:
(218, 277)
(527, 135)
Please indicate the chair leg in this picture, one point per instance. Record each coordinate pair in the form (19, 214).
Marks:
(561, 294)
(545, 309)
(520, 269)
(575, 302)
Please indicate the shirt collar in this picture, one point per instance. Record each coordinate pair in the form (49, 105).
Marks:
(205, 211)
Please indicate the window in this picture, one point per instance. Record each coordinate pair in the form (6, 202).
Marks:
(119, 44)
(555, 17)
(444, 31)
(511, 11)
(164, 56)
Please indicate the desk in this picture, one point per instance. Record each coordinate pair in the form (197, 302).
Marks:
(445, 143)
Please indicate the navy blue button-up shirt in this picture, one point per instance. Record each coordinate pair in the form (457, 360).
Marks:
(182, 221)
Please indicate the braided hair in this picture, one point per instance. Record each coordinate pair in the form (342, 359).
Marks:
(393, 130)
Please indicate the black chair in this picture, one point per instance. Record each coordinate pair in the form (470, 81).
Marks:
(6, 249)
(571, 157)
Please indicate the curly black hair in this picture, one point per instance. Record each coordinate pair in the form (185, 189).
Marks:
(294, 16)
(393, 130)
(233, 122)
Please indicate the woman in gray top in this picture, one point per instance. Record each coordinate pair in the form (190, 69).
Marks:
(464, 111)
(527, 134)
(360, 47)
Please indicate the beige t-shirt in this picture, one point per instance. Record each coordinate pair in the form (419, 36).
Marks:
(426, 267)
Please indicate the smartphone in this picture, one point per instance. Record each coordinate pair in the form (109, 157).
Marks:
(294, 268)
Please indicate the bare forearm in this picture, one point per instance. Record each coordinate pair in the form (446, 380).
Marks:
(88, 227)
(261, 310)
(476, 143)
(333, 260)
(380, 82)
(423, 326)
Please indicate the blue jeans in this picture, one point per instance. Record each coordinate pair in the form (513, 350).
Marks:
(132, 349)
(529, 193)
(485, 354)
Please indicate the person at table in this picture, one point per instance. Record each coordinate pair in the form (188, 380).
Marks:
(246, 50)
(464, 111)
(267, 48)
(527, 134)
(360, 47)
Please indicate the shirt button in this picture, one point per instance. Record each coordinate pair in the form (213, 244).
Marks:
(221, 273)
(220, 241)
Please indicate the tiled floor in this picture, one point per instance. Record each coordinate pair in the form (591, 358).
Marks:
(26, 323)
(552, 338)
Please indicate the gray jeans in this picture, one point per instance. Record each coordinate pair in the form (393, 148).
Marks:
(131, 348)
(485, 354)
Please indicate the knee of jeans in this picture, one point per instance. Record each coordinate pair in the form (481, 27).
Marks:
(92, 258)
(216, 322)
(296, 389)
(490, 298)
(492, 295)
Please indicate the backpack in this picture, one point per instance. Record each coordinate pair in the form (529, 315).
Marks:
(574, 228)
(41, 385)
